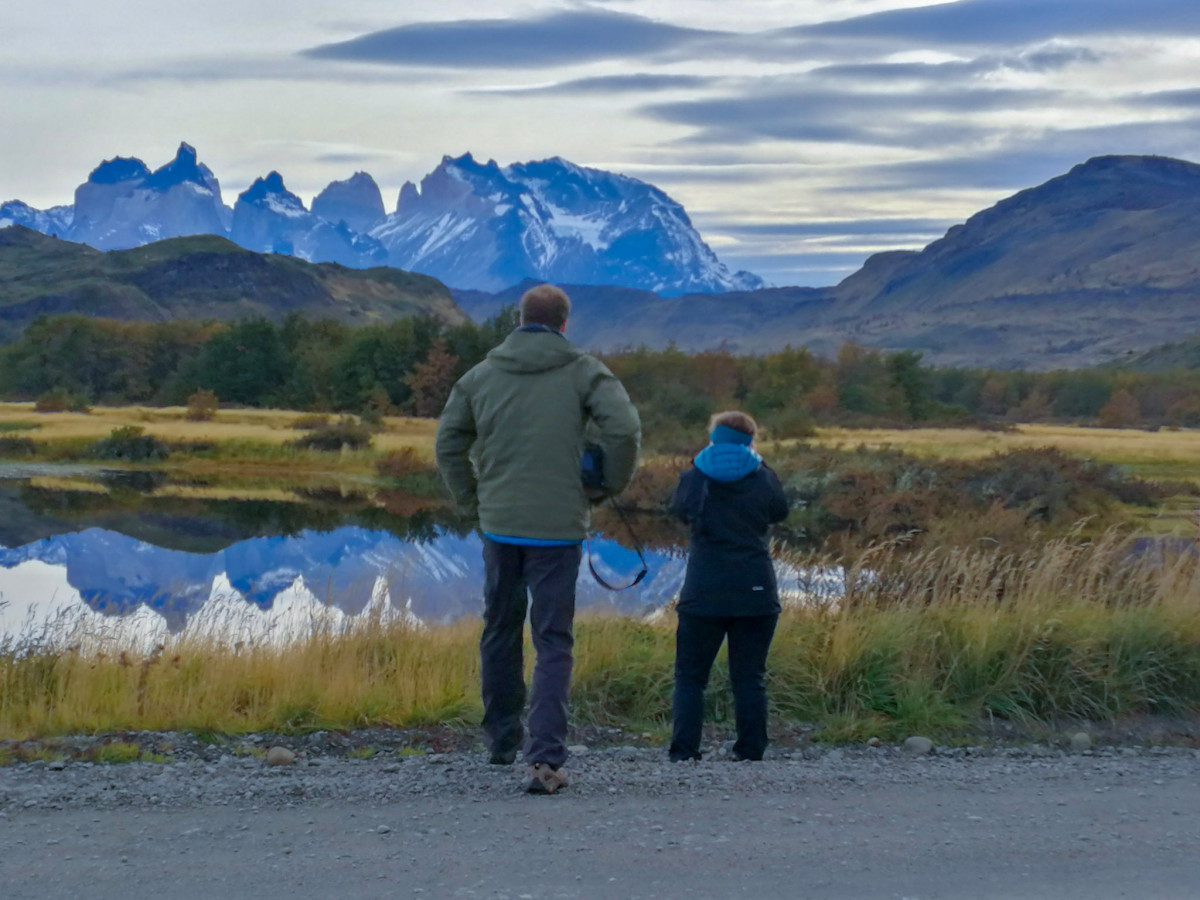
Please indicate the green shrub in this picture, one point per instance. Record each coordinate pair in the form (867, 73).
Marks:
(61, 401)
(17, 446)
(345, 433)
(129, 443)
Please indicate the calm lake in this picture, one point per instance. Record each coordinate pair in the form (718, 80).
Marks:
(126, 558)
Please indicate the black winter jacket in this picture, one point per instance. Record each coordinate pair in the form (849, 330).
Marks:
(729, 570)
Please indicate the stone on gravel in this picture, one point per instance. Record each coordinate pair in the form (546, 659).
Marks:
(873, 742)
(917, 745)
(1081, 741)
(56, 765)
(383, 829)
(280, 756)
(578, 750)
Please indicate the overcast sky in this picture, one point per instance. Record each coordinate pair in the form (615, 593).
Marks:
(801, 135)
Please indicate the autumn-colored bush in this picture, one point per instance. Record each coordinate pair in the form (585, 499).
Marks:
(402, 463)
(202, 406)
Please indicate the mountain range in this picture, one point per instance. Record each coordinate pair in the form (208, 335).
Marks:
(472, 225)
(1093, 267)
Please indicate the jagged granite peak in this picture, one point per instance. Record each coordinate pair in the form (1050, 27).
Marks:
(119, 169)
(123, 204)
(408, 195)
(268, 218)
(185, 168)
(271, 190)
(357, 201)
(478, 225)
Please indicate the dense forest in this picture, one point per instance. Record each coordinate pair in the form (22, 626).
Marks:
(408, 367)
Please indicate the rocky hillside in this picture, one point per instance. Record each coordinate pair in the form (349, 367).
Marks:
(198, 278)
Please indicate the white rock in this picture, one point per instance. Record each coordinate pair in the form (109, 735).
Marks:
(917, 745)
(280, 756)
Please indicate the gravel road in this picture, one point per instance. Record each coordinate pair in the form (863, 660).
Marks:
(1036, 822)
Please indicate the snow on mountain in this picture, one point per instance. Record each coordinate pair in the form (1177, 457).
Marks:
(123, 204)
(476, 225)
(472, 225)
(54, 221)
(355, 201)
(268, 218)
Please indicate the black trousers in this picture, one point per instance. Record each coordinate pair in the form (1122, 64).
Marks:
(513, 574)
(697, 640)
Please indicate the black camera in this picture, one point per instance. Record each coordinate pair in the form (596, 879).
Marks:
(592, 467)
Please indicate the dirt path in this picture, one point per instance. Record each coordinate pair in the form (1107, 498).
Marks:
(843, 825)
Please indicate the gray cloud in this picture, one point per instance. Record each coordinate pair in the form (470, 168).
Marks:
(559, 38)
(1014, 21)
(1040, 59)
(797, 267)
(1030, 161)
(1182, 99)
(638, 83)
(855, 228)
(250, 68)
(351, 159)
(805, 113)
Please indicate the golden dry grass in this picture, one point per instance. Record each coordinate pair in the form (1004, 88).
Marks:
(170, 423)
(249, 443)
(1160, 454)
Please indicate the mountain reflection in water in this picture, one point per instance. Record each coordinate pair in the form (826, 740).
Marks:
(133, 565)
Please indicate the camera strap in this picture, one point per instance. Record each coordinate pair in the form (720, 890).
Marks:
(637, 547)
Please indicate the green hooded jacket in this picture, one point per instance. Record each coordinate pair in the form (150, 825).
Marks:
(510, 439)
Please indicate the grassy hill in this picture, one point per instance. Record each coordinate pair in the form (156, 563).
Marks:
(201, 277)
(1173, 357)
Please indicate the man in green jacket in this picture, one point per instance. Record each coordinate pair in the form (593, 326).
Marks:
(509, 447)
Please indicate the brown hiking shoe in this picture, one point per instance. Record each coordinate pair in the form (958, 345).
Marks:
(545, 780)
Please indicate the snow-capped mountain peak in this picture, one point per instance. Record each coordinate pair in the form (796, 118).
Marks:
(185, 169)
(478, 225)
(471, 224)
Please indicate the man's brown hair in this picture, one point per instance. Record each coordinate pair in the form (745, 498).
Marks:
(738, 421)
(545, 305)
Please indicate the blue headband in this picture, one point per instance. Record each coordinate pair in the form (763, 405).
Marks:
(723, 434)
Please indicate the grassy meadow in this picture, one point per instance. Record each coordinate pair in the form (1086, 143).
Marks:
(936, 637)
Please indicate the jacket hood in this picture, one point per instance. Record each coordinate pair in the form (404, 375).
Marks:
(529, 352)
(727, 462)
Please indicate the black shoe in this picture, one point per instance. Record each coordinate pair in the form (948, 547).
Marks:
(737, 757)
(503, 757)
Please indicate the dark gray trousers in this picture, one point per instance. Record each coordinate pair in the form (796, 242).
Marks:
(512, 574)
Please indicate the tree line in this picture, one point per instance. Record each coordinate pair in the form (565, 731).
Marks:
(408, 366)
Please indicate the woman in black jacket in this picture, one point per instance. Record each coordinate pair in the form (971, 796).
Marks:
(729, 498)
